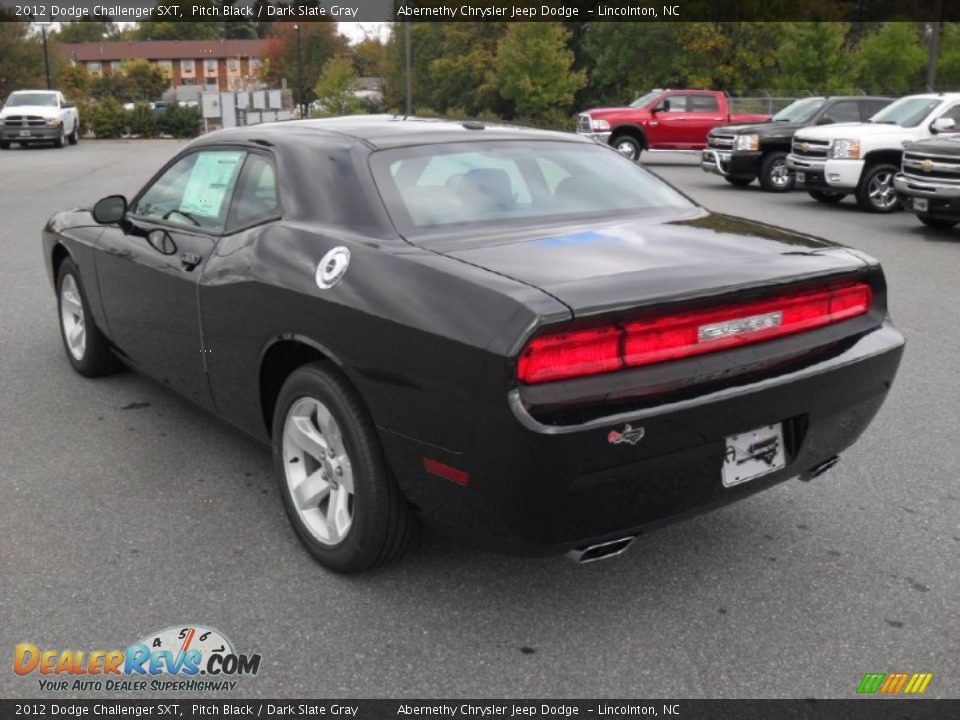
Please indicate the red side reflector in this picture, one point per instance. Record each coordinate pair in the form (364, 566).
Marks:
(435, 467)
(670, 337)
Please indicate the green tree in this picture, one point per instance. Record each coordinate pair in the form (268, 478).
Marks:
(336, 86)
(892, 59)
(113, 86)
(108, 119)
(369, 57)
(533, 69)
(628, 59)
(461, 75)
(815, 57)
(74, 81)
(86, 31)
(21, 58)
(144, 80)
(948, 68)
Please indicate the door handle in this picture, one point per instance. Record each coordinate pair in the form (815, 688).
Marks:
(189, 260)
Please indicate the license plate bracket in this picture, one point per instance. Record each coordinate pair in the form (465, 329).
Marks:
(921, 204)
(753, 454)
(800, 176)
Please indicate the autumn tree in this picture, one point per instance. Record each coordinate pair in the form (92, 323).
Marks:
(21, 58)
(533, 69)
(144, 80)
(319, 41)
(336, 87)
(369, 57)
(86, 31)
(732, 56)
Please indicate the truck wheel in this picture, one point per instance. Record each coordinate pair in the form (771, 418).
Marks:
(334, 480)
(4, 144)
(74, 137)
(775, 176)
(61, 138)
(87, 348)
(828, 197)
(627, 145)
(938, 223)
(739, 181)
(876, 193)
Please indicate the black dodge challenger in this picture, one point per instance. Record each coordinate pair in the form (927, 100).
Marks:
(516, 334)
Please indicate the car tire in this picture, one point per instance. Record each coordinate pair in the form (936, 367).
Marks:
(938, 223)
(61, 138)
(336, 485)
(4, 145)
(627, 145)
(775, 176)
(876, 193)
(739, 181)
(87, 348)
(74, 137)
(827, 197)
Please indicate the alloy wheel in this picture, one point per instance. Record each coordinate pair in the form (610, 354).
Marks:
(881, 191)
(318, 471)
(780, 175)
(72, 318)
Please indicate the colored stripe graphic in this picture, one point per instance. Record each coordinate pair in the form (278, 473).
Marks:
(894, 683)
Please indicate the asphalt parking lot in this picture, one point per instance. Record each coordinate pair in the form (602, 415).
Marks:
(126, 510)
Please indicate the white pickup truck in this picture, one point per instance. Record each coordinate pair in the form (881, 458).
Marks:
(832, 161)
(30, 116)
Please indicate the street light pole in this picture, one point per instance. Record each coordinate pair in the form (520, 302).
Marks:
(299, 73)
(406, 36)
(934, 47)
(46, 55)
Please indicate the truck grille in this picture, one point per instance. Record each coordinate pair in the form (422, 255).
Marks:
(583, 124)
(23, 121)
(720, 142)
(813, 149)
(931, 167)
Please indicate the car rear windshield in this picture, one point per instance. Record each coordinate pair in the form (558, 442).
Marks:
(42, 99)
(906, 112)
(799, 111)
(436, 188)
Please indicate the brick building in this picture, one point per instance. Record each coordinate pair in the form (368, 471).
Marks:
(209, 64)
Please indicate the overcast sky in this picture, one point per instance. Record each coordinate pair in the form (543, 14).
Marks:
(357, 31)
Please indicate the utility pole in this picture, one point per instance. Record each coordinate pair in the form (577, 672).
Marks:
(407, 49)
(46, 54)
(300, 73)
(936, 28)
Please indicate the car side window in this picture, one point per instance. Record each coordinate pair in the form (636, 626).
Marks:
(869, 108)
(704, 104)
(952, 113)
(841, 112)
(195, 191)
(678, 103)
(256, 198)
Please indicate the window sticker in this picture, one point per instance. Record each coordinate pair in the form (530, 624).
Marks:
(212, 178)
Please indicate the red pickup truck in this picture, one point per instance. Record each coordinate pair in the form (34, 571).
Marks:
(662, 120)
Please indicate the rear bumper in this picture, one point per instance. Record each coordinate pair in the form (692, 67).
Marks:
(36, 134)
(540, 489)
(735, 164)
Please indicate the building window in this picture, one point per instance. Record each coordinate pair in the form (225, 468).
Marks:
(210, 68)
(116, 65)
(93, 66)
(255, 66)
(188, 67)
(166, 66)
(233, 66)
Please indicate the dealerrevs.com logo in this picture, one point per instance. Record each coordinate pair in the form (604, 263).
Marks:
(188, 658)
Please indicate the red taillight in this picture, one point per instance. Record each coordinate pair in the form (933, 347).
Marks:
(670, 337)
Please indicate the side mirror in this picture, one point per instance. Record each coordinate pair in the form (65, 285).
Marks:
(943, 124)
(111, 209)
(67, 104)
(825, 121)
(662, 107)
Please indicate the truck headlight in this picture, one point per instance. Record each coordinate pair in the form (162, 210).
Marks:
(53, 121)
(845, 149)
(747, 142)
(599, 124)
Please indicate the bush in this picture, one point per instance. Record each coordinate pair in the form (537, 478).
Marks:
(180, 121)
(143, 121)
(108, 119)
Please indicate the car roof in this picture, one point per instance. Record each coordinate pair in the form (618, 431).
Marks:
(386, 131)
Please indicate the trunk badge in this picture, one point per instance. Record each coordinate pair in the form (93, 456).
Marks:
(754, 323)
(629, 434)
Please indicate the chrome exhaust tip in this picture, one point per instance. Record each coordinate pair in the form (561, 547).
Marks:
(818, 470)
(601, 551)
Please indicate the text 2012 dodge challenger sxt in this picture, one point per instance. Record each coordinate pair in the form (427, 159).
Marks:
(514, 333)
